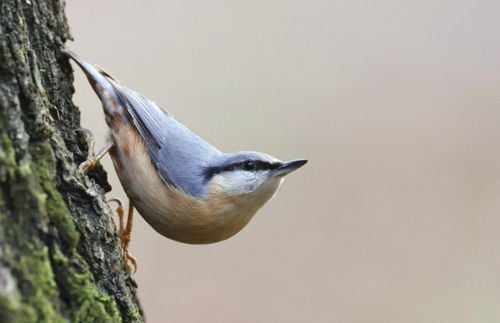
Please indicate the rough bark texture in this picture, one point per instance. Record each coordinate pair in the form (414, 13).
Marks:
(60, 259)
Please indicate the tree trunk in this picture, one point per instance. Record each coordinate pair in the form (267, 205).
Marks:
(60, 259)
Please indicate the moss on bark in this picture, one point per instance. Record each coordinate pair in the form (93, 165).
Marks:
(60, 258)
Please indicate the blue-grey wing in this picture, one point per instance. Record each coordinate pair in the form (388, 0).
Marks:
(179, 154)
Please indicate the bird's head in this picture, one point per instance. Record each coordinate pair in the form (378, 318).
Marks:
(251, 177)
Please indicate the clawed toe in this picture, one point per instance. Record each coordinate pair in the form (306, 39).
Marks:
(125, 233)
(88, 165)
(131, 260)
(94, 159)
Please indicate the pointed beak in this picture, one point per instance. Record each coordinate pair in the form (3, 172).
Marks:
(288, 167)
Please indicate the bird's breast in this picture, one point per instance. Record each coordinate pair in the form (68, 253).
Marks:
(170, 211)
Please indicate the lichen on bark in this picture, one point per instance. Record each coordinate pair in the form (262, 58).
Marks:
(60, 259)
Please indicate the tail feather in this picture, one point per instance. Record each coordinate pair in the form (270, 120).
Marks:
(102, 84)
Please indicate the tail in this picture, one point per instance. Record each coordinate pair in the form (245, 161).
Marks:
(105, 88)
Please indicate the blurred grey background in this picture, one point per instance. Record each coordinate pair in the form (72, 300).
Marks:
(395, 103)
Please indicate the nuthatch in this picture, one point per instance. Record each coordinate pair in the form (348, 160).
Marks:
(184, 187)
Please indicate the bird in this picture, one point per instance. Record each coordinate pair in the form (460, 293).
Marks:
(184, 187)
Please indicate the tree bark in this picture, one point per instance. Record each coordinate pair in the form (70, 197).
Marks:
(60, 258)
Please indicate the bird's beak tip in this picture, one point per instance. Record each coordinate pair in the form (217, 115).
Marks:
(290, 166)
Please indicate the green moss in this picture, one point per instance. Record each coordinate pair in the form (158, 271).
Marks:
(88, 304)
(53, 279)
(7, 156)
(46, 247)
(43, 167)
(38, 278)
(12, 311)
(25, 170)
(136, 316)
(28, 258)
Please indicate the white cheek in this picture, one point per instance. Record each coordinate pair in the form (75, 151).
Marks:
(237, 182)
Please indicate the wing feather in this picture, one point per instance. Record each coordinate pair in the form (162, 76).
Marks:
(179, 154)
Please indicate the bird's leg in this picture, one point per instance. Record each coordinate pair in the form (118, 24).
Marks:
(94, 158)
(127, 236)
(125, 232)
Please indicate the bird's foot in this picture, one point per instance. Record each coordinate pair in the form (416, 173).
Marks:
(93, 159)
(88, 165)
(131, 262)
(125, 233)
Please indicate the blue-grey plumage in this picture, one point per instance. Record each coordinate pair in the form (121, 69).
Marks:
(184, 187)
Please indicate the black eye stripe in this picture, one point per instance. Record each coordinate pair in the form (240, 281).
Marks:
(260, 165)
(249, 165)
(257, 165)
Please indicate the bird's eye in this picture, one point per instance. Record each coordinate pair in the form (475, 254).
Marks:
(249, 165)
